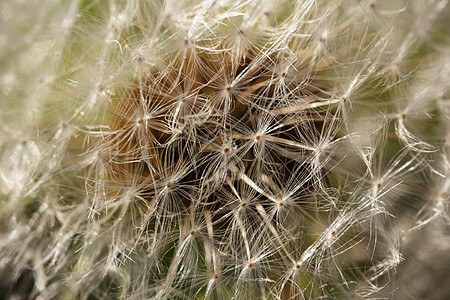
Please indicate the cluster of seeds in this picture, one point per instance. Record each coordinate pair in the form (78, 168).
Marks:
(223, 149)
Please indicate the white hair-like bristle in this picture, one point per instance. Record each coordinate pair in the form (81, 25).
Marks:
(224, 149)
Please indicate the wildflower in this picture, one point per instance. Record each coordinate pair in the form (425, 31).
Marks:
(221, 149)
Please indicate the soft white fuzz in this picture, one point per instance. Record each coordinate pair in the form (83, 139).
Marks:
(226, 149)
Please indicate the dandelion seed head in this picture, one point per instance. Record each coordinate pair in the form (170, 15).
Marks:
(219, 149)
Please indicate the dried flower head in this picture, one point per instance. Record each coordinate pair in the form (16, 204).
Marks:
(223, 149)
